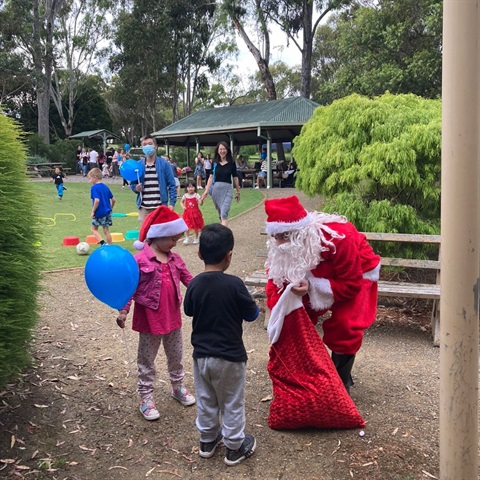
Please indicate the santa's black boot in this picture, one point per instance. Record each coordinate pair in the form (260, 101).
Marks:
(344, 363)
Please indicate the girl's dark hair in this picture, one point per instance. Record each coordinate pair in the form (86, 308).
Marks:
(216, 241)
(190, 183)
(216, 156)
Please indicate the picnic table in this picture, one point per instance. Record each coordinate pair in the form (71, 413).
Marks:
(250, 174)
(44, 169)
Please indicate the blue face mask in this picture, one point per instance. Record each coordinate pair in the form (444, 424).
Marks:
(148, 150)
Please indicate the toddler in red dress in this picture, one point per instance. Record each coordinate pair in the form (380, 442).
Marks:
(191, 213)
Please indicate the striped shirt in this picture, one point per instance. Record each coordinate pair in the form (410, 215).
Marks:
(151, 190)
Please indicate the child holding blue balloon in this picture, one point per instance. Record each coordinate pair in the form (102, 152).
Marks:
(156, 314)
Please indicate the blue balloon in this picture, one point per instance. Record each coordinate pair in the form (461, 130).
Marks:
(126, 147)
(131, 170)
(111, 275)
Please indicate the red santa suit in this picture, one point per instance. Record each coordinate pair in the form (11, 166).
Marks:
(343, 281)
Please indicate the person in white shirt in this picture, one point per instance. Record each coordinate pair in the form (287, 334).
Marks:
(92, 161)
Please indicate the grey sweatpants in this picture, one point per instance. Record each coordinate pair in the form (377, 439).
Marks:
(148, 346)
(220, 389)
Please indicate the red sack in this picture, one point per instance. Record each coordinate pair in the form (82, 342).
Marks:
(307, 391)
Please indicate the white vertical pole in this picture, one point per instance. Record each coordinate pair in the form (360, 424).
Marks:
(269, 162)
(460, 243)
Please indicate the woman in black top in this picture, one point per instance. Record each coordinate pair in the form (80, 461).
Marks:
(220, 182)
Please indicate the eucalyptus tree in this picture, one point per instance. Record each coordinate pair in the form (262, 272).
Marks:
(83, 30)
(165, 52)
(248, 15)
(390, 45)
(30, 24)
(302, 16)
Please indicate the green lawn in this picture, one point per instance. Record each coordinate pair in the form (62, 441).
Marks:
(70, 218)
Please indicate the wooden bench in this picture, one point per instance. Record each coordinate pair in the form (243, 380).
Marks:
(392, 288)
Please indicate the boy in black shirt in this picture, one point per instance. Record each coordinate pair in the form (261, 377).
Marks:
(219, 303)
(58, 177)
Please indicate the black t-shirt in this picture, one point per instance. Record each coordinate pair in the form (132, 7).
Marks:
(219, 303)
(58, 178)
(109, 156)
(224, 173)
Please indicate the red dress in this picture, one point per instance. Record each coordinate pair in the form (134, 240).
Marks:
(192, 215)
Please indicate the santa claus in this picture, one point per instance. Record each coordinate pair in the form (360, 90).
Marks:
(321, 262)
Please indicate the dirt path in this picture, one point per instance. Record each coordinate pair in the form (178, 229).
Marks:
(75, 415)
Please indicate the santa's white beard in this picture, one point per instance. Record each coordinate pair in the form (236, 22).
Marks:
(289, 262)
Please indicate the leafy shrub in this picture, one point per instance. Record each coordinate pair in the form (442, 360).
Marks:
(20, 258)
(376, 161)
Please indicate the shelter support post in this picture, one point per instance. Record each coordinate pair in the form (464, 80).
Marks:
(460, 242)
(269, 161)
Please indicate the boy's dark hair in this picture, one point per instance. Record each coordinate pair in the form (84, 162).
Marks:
(216, 241)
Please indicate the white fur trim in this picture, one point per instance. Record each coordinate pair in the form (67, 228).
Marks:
(374, 274)
(286, 304)
(168, 229)
(138, 245)
(281, 227)
(320, 293)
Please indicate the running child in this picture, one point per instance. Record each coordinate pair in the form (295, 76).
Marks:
(191, 212)
(58, 177)
(102, 206)
(156, 314)
(219, 303)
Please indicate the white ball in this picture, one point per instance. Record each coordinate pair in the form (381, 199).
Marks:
(83, 248)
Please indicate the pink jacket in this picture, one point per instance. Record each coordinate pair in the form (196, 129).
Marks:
(150, 282)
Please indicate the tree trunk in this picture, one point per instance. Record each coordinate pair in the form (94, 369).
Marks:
(307, 49)
(261, 62)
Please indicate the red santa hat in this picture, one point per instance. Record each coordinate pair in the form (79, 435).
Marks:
(285, 215)
(162, 222)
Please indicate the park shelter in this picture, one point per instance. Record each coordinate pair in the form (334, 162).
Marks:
(252, 124)
(103, 135)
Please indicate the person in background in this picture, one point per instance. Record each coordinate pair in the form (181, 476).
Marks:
(102, 206)
(220, 182)
(156, 315)
(262, 175)
(92, 159)
(199, 172)
(101, 160)
(207, 163)
(109, 158)
(115, 171)
(241, 165)
(105, 171)
(157, 183)
(79, 168)
(174, 166)
(123, 157)
(219, 303)
(84, 156)
(58, 177)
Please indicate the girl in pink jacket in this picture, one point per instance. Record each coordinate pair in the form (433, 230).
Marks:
(156, 315)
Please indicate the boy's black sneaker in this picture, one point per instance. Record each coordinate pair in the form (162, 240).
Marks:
(207, 449)
(234, 457)
(101, 242)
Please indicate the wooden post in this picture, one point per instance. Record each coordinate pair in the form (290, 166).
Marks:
(460, 243)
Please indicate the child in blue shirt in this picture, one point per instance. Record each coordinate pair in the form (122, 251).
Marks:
(102, 206)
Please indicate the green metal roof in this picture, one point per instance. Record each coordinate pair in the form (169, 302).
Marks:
(249, 124)
(94, 134)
